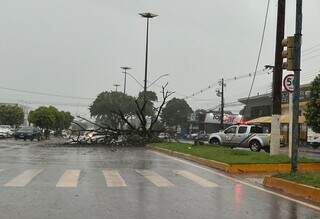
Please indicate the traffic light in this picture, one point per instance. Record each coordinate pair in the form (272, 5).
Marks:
(288, 53)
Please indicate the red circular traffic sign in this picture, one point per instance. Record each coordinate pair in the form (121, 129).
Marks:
(288, 83)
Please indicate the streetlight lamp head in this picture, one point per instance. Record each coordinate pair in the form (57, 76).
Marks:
(148, 15)
(125, 68)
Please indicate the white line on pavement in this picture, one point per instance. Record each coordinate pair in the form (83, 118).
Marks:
(24, 178)
(239, 181)
(69, 179)
(155, 178)
(197, 179)
(113, 178)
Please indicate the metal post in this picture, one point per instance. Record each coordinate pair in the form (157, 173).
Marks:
(222, 104)
(296, 91)
(116, 86)
(146, 60)
(277, 81)
(125, 81)
(125, 68)
(290, 123)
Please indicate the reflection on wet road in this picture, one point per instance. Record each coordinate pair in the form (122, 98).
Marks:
(38, 181)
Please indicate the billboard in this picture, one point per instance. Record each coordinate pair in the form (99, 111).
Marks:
(230, 119)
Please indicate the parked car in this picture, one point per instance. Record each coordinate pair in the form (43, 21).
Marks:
(28, 133)
(250, 136)
(163, 135)
(6, 132)
(313, 138)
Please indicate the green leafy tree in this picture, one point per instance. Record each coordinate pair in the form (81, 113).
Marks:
(151, 97)
(42, 117)
(109, 106)
(313, 107)
(176, 112)
(11, 115)
(50, 118)
(67, 119)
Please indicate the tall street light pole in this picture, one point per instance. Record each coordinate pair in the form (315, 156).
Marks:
(147, 15)
(125, 68)
(116, 86)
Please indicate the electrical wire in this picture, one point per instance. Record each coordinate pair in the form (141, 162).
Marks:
(260, 51)
(211, 86)
(45, 94)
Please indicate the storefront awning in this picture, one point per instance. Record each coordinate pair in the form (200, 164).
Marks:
(267, 119)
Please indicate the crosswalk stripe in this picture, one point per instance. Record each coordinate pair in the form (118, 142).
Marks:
(113, 178)
(69, 179)
(155, 178)
(197, 179)
(24, 178)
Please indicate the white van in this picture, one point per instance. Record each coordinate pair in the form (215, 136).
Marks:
(313, 138)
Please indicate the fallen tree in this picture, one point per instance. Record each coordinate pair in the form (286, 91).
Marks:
(122, 119)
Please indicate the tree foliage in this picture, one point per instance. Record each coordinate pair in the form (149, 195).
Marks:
(11, 115)
(200, 115)
(151, 97)
(107, 106)
(50, 118)
(313, 106)
(139, 115)
(176, 112)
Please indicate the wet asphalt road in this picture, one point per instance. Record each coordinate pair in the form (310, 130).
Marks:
(35, 183)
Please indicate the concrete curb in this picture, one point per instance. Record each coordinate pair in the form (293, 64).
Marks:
(238, 168)
(293, 188)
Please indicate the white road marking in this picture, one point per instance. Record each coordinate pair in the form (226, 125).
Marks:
(69, 179)
(113, 178)
(197, 179)
(238, 181)
(24, 178)
(155, 178)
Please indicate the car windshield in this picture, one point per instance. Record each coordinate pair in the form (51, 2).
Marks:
(26, 129)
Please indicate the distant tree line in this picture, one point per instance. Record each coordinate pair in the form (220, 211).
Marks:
(12, 115)
(50, 118)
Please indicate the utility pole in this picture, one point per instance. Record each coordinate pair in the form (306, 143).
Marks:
(116, 86)
(220, 93)
(296, 91)
(277, 81)
(125, 68)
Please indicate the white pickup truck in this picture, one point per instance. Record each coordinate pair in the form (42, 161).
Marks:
(250, 136)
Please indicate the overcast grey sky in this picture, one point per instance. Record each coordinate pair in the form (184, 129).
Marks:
(76, 47)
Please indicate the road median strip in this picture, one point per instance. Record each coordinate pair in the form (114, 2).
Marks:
(293, 188)
(239, 168)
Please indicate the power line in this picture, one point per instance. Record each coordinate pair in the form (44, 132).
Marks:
(260, 51)
(311, 48)
(45, 94)
(211, 86)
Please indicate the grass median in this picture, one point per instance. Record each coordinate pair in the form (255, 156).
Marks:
(307, 178)
(228, 155)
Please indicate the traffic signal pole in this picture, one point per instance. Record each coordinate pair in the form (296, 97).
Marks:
(277, 81)
(296, 91)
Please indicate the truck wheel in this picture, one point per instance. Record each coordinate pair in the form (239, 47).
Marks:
(214, 141)
(255, 146)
